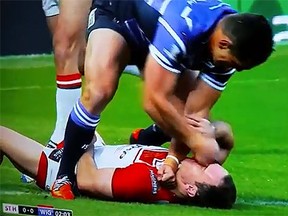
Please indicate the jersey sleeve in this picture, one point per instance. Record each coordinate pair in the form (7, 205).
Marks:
(216, 80)
(169, 44)
(136, 182)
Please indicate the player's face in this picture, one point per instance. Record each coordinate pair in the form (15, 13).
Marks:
(223, 58)
(191, 172)
(220, 45)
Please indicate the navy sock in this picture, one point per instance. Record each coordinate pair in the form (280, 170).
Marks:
(153, 135)
(78, 135)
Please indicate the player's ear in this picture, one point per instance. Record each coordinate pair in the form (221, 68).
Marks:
(224, 44)
(191, 190)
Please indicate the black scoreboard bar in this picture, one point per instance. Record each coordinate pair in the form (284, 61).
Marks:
(35, 210)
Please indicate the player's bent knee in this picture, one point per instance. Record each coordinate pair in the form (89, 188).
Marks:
(64, 43)
(96, 98)
(61, 49)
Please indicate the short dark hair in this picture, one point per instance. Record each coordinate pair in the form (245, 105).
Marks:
(222, 196)
(251, 36)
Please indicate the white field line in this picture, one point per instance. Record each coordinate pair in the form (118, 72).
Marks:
(255, 81)
(12, 193)
(20, 88)
(258, 202)
(255, 202)
(24, 56)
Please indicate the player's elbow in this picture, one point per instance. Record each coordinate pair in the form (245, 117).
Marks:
(148, 108)
(150, 105)
(224, 135)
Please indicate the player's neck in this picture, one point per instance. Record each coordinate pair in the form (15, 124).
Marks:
(177, 193)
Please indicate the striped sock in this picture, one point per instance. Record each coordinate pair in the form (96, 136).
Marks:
(67, 93)
(79, 133)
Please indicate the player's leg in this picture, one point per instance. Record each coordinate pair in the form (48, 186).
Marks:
(71, 26)
(107, 54)
(22, 151)
(154, 135)
(63, 95)
(68, 33)
(52, 23)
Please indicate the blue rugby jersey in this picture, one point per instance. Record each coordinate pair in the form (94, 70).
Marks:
(176, 32)
(184, 27)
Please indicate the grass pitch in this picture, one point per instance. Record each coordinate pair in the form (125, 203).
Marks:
(255, 103)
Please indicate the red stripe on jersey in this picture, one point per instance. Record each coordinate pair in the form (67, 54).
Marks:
(60, 145)
(69, 81)
(42, 171)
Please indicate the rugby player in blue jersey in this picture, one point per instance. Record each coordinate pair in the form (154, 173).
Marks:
(164, 37)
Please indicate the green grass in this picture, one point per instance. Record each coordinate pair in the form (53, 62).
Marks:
(255, 103)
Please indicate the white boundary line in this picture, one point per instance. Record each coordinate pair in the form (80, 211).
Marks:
(257, 81)
(20, 88)
(13, 193)
(257, 202)
(25, 56)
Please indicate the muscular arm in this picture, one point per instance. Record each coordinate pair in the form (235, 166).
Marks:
(201, 99)
(199, 102)
(159, 87)
(22, 151)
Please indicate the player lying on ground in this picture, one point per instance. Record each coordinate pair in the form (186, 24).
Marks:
(128, 172)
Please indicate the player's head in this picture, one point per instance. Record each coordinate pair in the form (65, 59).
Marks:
(242, 41)
(210, 186)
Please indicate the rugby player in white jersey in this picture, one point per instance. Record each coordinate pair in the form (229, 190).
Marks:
(129, 172)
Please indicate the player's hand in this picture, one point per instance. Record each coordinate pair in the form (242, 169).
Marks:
(201, 125)
(166, 176)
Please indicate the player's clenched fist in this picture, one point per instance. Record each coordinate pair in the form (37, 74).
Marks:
(166, 175)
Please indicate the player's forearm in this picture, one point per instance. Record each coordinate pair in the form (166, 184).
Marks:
(168, 118)
(178, 149)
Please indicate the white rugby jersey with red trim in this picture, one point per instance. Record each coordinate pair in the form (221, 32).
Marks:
(135, 176)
